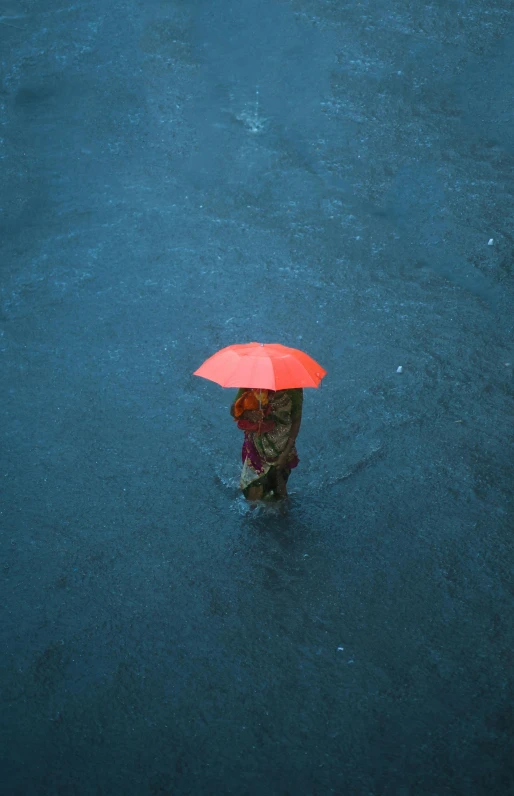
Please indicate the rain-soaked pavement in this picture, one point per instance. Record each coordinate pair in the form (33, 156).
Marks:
(178, 176)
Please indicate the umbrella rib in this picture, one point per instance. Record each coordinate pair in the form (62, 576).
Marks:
(287, 366)
(228, 379)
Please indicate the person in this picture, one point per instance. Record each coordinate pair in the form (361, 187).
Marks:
(269, 446)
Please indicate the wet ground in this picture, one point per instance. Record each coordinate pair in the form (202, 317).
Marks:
(178, 176)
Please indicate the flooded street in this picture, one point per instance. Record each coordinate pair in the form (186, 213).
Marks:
(176, 177)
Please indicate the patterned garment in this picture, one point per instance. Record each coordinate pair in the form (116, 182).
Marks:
(261, 450)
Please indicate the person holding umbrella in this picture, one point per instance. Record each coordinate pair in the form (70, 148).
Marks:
(268, 409)
(269, 447)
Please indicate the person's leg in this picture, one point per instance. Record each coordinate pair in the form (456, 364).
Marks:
(280, 485)
(281, 488)
(254, 492)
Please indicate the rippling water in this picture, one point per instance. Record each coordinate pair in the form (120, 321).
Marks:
(180, 177)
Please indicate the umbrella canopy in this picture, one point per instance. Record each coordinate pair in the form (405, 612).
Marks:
(268, 366)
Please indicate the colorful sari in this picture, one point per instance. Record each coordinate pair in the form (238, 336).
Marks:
(260, 451)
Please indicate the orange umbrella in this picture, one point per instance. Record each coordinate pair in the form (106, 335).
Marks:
(268, 366)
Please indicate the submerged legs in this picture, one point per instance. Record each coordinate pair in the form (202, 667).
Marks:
(273, 485)
(254, 492)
